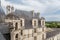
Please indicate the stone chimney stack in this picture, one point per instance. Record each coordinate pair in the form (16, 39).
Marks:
(32, 13)
(10, 9)
(37, 15)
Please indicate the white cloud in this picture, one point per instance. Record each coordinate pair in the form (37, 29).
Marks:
(42, 6)
(30, 5)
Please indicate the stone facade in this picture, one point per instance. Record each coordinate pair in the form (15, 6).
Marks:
(19, 32)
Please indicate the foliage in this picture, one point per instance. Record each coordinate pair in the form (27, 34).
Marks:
(53, 24)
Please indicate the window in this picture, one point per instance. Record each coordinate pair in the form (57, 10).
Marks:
(35, 30)
(21, 32)
(35, 38)
(34, 23)
(39, 22)
(21, 24)
(16, 26)
(16, 36)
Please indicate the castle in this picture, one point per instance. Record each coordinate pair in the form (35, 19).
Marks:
(25, 25)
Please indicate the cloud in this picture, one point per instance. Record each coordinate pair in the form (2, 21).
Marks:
(48, 8)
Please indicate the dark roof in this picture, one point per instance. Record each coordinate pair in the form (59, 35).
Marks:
(2, 15)
(53, 33)
(2, 37)
(4, 28)
(24, 14)
(11, 16)
(28, 24)
(1, 11)
(42, 18)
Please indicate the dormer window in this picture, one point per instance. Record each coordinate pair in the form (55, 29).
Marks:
(21, 22)
(42, 22)
(35, 22)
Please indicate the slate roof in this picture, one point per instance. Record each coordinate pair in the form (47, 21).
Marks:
(4, 28)
(24, 14)
(28, 24)
(11, 16)
(1, 11)
(27, 15)
(53, 33)
(2, 14)
(2, 37)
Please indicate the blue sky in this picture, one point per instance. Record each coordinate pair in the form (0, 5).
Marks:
(50, 9)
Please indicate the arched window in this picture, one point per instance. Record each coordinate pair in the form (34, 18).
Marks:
(11, 25)
(16, 36)
(21, 32)
(35, 22)
(21, 23)
(35, 30)
(16, 26)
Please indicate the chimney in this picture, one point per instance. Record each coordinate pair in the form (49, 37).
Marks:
(38, 14)
(32, 13)
(10, 9)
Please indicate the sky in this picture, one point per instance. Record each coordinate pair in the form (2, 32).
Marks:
(50, 9)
